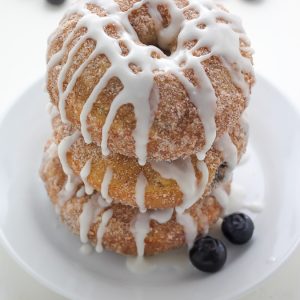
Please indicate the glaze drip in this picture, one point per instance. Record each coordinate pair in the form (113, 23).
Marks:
(105, 184)
(87, 218)
(140, 230)
(140, 192)
(80, 193)
(162, 216)
(84, 174)
(182, 171)
(189, 225)
(72, 180)
(106, 216)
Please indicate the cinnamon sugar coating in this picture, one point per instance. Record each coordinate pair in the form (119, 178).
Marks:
(177, 130)
(118, 237)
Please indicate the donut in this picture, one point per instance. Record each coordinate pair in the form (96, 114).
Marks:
(147, 101)
(150, 79)
(165, 184)
(123, 229)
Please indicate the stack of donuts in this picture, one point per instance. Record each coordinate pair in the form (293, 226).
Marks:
(146, 101)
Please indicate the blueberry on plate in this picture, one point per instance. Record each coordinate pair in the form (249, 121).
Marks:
(56, 2)
(238, 228)
(208, 254)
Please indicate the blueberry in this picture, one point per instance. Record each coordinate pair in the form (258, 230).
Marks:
(56, 2)
(238, 228)
(208, 254)
(221, 172)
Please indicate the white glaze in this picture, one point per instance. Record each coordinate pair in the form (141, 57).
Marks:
(175, 261)
(106, 216)
(140, 230)
(89, 212)
(63, 149)
(84, 174)
(80, 193)
(222, 39)
(72, 181)
(189, 226)
(244, 160)
(154, 101)
(255, 207)
(86, 249)
(182, 171)
(139, 265)
(156, 17)
(102, 202)
(228, 149)
(162, 216)
(141, 184)
(57, 209)
(230, 155)
(50, 153)
(221, 196)
(245, 124)
(238, 202)
(68, 190)
(105, 184)
(110, 7)
(52, 110)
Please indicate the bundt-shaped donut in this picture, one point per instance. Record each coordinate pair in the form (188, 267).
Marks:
(121, 228)
(152, 79)
(166, 184)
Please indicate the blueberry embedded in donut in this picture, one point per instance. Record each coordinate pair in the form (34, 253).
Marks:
(220, 174)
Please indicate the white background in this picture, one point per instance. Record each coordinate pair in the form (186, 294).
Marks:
(274, 28)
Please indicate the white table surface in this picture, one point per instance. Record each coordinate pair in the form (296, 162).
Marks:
(274, 28)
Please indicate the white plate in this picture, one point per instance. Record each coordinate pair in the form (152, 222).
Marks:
(31, 232)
